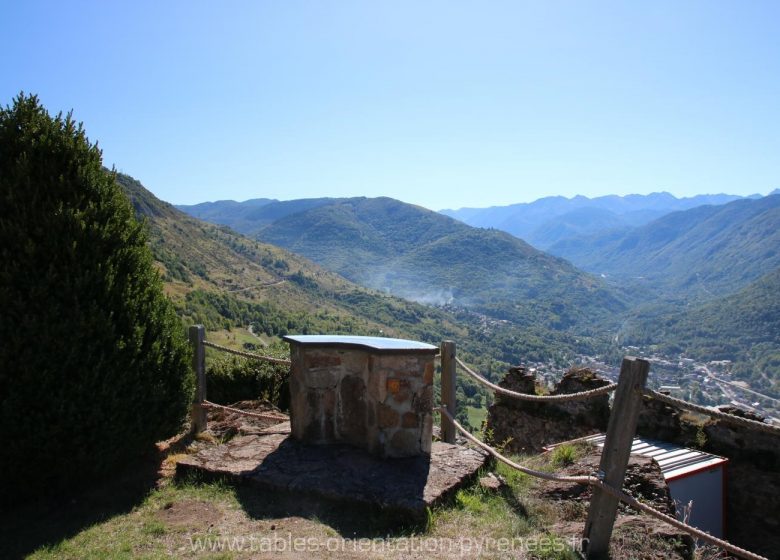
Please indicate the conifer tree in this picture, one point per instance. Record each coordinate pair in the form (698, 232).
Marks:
(93, 360)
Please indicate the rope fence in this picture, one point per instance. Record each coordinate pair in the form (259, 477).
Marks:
(250, 355)
(620, 495)
(614, 460)
(521, 468)
(730, 418)
(265, 416)
(200, 406)
(538, 398)
(629, 392)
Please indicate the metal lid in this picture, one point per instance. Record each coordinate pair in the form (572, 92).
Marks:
(376, 343)
(675, 461)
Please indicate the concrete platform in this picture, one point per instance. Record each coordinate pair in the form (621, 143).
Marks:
(273, 460)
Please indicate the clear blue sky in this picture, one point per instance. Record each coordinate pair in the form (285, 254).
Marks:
(442, 104)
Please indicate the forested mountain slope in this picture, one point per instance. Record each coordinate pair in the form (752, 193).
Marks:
(220, 278)
(743, 327)
(421, 255)
(704, 252)
(223, 279)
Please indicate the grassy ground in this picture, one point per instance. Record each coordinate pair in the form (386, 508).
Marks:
(191, 520)
(146, 513)
(476, 416)
(236, 337)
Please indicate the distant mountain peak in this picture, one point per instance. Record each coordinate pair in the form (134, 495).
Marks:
(552, 219)
(704, 250)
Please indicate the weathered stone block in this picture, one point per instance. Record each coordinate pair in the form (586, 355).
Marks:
(400, 389)
(378, 400)
(393, 386)
(321, 379)
(428, 374)
(409, 420)
(353, 410)
(404, 443)
(427, 428)
(387, 417)
(322, 360)
(354, 362)
(398, 362)
(423, 401)
(377, 385)
(401, 373)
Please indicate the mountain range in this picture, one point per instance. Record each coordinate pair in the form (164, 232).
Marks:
(701, 253)
(424, 256)
(552, 219)
(705, 262)
(222, 279)
(250, 216)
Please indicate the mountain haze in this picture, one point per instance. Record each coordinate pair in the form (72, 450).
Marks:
(222, 279)
(424, 256)
(549, 220)
(703, 252)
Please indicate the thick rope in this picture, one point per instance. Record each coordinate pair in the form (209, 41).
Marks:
(622, 496)
(538, 398)
(249, 355)
(497, 455)
(698, 533)
(264, 416)
(752, 424)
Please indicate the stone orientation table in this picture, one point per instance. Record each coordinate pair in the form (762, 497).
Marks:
(370, 392)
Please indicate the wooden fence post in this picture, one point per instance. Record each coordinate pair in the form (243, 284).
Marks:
(448, 374)
(197, 335)
(614, 458)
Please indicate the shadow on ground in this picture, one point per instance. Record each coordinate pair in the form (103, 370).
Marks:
(341, 486)
(348, 519)
(45, 522)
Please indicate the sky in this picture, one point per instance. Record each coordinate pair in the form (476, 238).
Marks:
(445, 104)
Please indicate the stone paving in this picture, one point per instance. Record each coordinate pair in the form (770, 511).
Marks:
(272, 459)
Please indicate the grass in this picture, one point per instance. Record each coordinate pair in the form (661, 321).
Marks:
(141, 533)
(193, 519)
(504, 521)
(234, 338)
(213, 520)
(476, 416)
(563, 455)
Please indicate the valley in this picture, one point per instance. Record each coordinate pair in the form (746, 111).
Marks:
(689, 283)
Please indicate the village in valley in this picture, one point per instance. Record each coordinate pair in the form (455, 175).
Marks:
(705, 383)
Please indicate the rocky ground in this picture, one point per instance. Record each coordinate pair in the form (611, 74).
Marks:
(635, 535)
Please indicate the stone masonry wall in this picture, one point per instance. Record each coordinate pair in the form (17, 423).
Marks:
(380, 402)
(526, 427)
(753, 471)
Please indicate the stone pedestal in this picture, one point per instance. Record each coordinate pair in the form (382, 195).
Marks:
(374, 393)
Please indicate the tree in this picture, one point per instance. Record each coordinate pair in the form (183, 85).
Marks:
(93, 360)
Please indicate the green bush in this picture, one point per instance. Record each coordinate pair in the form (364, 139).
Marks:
(230, 379)
(93, 360)
(563, 455)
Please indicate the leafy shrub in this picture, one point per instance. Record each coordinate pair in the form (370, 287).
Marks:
(563, 455)
(231, 379)
(94, 360)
